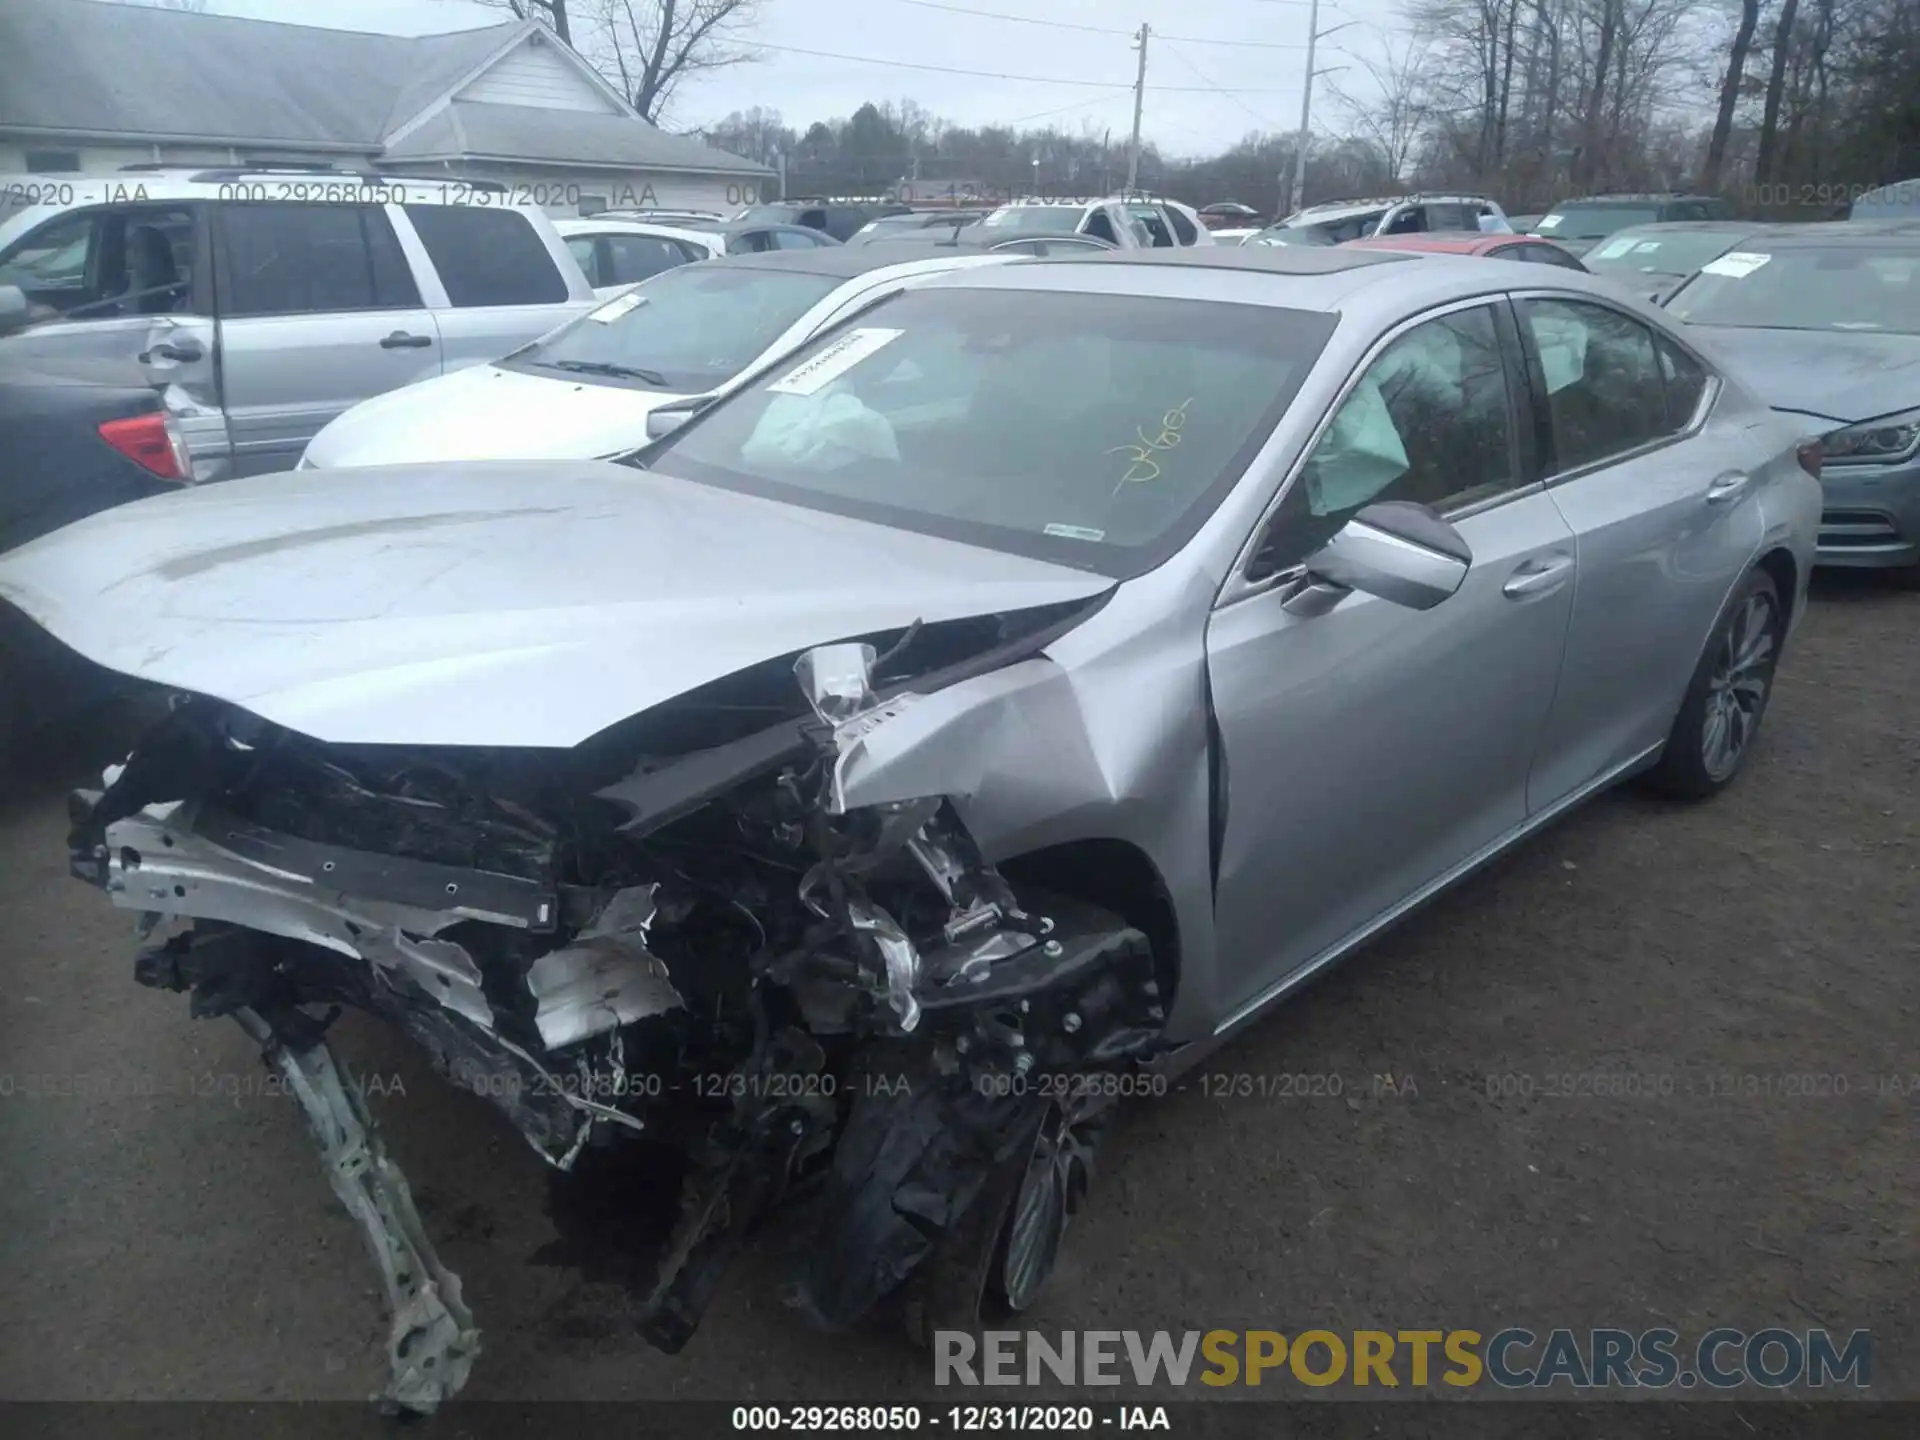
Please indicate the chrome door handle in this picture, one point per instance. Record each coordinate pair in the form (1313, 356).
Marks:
(1539, 577)
(184, 353)
(1728, 487)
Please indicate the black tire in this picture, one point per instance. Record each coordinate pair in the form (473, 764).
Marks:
(1693, 766)
(963, 1285)
(13, 709)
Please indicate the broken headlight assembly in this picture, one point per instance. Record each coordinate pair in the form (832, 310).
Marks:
(840, 1017)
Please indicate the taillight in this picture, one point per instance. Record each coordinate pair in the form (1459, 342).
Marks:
(1807, 452)
(145, 440)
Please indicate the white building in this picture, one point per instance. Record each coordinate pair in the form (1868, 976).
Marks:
(91, 87)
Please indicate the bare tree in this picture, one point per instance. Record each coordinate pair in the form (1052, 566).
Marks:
(553, 12)
(653, 45)
(1393, 120)
(1730, 86)
(647, 47)
(1764, 162)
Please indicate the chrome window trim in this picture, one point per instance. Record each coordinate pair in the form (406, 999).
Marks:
(1237, 587)
(1709, 394)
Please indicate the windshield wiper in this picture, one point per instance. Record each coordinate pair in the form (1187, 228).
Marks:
(605, 367)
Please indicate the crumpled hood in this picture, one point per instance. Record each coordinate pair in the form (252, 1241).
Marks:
(487, 413)
(1833, 375)
(506, 603)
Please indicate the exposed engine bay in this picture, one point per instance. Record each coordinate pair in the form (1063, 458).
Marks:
(674, 934)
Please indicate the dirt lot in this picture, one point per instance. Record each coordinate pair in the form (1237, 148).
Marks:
(170, 1221)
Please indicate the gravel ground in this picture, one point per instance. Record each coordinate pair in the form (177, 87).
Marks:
(166, 1232)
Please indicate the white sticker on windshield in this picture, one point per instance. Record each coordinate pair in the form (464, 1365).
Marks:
(821, 370)
(620, 305)
(1646, 247)
(1737, 263)
(1548, 222)
(1074, 532)
(1614, 249)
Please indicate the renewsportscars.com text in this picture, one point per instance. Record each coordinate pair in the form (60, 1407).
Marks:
(1512, 1359)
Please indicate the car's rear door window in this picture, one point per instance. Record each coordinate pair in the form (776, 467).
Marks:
(1606, 389)
(293, 259)
(488, 256)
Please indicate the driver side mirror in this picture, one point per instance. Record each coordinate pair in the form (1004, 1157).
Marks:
(13, 309)
(669, 418)
(1398, 551)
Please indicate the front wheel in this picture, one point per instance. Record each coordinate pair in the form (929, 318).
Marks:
(1720, 718)
(995, 1262)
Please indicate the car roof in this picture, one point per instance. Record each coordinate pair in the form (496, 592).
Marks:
(1866, 234)
(972, 237)
(1272, 259)
(1637, 197)
(1443, 242)
(843, 262)
(1690, 227)
(1377, 286)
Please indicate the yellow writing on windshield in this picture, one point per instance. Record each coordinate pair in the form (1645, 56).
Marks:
(1142, 466)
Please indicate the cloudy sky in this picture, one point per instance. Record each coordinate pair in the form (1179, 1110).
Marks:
(1227, 66)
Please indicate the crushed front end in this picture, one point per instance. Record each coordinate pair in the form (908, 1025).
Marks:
(671, 935)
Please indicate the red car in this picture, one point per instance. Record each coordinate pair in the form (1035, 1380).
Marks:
(1505, 247)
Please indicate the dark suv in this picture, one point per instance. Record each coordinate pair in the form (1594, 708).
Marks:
(838, 219)
(1579, 225)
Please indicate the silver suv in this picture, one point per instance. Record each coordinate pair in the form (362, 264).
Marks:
(1126, 222)
(1338, 221)
(264, 303)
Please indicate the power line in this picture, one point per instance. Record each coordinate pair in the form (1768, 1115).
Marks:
(1096, 29)
(1113, 94)
(980, 74)
(1264, 120)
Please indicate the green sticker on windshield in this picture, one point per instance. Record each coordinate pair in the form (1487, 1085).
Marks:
(1143, 466)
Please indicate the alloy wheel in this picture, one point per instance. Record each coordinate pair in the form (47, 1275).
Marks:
(1050, 1191)
(1737, 690)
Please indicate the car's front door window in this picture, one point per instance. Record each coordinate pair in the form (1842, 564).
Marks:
(106, 263)
(1430, 421)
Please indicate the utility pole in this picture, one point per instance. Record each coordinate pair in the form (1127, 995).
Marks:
(1139, 95)
(1297, 190)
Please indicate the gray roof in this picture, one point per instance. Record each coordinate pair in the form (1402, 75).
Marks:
(475, 131)
(87, 68)
(838, 262)
(1273, 259)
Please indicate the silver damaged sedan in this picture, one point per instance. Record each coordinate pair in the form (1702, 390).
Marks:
(829, 812)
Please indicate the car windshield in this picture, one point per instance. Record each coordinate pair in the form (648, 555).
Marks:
(1593, 222)
(1035, 219)
(1810, 287)
(1091, 429)
(686, 329)
(1659, 250)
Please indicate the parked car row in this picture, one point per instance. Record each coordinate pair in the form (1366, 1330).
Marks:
(262, 319)
(928, 704)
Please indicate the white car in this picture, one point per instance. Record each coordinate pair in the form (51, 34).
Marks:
(586, 389)
(615, 253)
